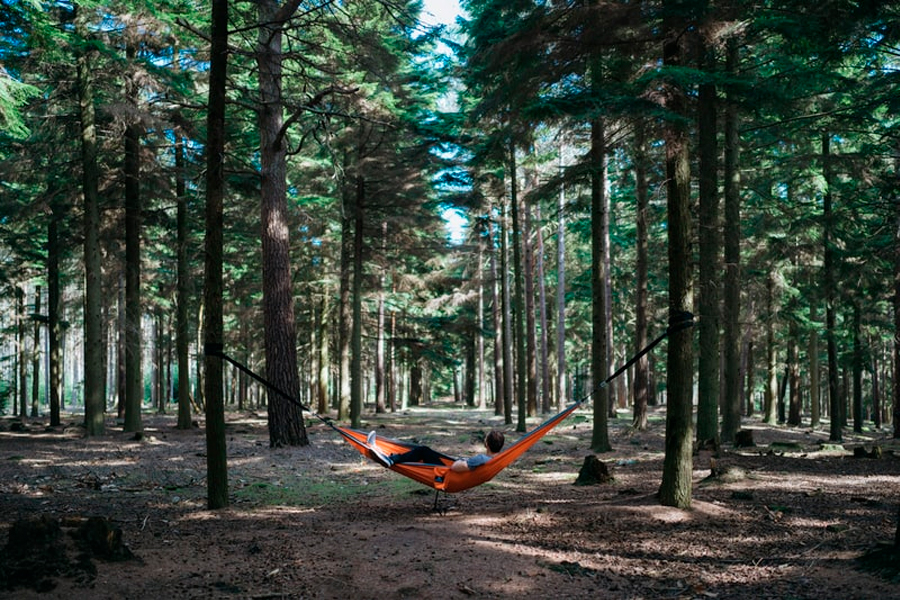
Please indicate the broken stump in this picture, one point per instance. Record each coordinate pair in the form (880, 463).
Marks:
(593, 471)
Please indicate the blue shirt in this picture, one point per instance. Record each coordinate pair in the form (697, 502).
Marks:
(477, 460)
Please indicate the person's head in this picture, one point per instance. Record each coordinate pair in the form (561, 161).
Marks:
(494, 440)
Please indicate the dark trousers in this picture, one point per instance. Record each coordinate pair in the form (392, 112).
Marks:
(422, 454)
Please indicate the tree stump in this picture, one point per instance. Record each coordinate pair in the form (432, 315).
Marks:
(593, 471)
(744, 439)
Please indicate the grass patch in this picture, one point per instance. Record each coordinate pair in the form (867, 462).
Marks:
(317, 493)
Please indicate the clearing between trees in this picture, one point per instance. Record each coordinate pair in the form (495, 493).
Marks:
(787, 518)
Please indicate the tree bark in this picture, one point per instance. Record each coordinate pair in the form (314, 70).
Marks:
(94, 341)
(216, 451)
(182, 290)
(134, 381)
(709, 264)
(641, 374)
(53, 321)
(561, 288)
(518, 307)
(828, 268)
(599, 281)
(286, 427)
(731, 306)
(675, 489)
(771, 392)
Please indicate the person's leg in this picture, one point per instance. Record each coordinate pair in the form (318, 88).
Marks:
(422, 454)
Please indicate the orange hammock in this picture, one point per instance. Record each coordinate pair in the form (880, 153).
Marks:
(439, 476)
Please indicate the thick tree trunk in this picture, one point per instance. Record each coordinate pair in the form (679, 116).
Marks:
(286, 427)
(731, 305)
(94, 341)
(216, 451)
(675, 489)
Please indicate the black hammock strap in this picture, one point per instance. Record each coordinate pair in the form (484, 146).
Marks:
(677, 322)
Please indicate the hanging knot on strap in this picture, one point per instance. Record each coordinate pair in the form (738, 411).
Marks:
(681, 319)
(214, 349)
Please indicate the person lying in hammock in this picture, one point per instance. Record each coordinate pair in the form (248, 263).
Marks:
(493, 443)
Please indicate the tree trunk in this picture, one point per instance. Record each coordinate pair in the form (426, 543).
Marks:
(20, 353)
(36, 354)
(641, 375)
(813, 353)
(134, 381)
(508, 341)
(182, 291)
(286, 427)
(356, 374)
(599, 281)
(530, 313)
(793, 375)
(53, 321)
(499, 334)
(771, 392)
(731, 306)
(542, 311)
(709, 264)
(828, 268)
(675, 489)
(216, 451)
(518, 306)
(94, 341)
(857, 369)
(561, 290)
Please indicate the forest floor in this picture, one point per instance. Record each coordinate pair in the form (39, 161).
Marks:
(788, 518)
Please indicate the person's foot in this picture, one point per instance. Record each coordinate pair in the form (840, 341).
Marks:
(373, 446)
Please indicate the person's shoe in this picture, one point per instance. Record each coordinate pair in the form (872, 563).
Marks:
(373, 446)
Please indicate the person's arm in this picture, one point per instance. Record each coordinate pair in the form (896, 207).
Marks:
(460, 466)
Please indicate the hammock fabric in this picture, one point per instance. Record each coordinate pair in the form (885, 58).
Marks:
(439, 476)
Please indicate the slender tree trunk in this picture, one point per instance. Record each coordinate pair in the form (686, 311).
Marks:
(94, 341)
(20, 353)
(857, 369)
(793, 375)
(519, 303)
(344, 307)
(561, 289)
(134, 388)
(709, 264)
(216, 451)
(499, 335)
(675, 489)
(479, 319)
(599, 281)
(182, 291)
(530, 321)
(828, 267)
(53, 321)
(771, 392)
(323, 359)
(356, 374)
(641, 374)
(286, 427)
(507, 318)
(813, 353)
(36, 354)
(731, 306)
(379, 334)
(542, 309)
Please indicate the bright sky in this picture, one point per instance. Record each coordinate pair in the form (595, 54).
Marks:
(438, 12)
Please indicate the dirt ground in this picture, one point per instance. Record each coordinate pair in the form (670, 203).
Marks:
(788, 518)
